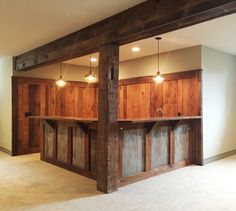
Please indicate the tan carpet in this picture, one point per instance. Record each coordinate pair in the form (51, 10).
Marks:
(26, 183)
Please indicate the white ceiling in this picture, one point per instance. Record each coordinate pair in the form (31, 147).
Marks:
(27, 24)
(218, 33)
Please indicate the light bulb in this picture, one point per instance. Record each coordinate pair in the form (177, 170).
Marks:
(158, 78)
(61, 82)
(135, 49)
(90, 78)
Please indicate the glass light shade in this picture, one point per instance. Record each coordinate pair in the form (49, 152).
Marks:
(158, 78)
(61, 82)
(90, 78)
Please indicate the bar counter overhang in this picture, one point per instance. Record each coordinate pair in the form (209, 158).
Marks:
(146, 146)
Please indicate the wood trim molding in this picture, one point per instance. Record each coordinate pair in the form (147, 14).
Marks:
(163, 16)
(219, 157)
(7, 151)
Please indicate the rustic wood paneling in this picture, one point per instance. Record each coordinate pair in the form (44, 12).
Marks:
(62, 147)
(133, 151)
(181, 134)
(138, 98)
(48, 141)
(92, 148)
(160, 147)
(78, 147)
(180, 94)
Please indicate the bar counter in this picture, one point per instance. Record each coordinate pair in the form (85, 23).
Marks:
(147, 146)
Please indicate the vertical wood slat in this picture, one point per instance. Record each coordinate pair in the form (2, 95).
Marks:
(69, 145)
(86, 151)
(148, 152)
(83, 102)
(55, 131)
(120, 158)
(172, 146)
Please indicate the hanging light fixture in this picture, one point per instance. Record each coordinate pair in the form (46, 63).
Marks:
(90, 77)
(158, 78)
(61, 82)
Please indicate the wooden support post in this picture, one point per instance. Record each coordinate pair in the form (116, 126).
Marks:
(148, 152)
(69, 145)
(107, 144)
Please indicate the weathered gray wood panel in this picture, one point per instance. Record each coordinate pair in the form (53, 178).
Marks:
(48, 141)
(133, 151)
(92, 144)
(62, 148)
(181, 135)
(78, 158)
(160, 147)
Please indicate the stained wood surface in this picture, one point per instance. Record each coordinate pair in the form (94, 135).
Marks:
(138, 100)
(107, 142)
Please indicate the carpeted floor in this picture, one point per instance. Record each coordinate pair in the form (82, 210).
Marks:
(26, 183)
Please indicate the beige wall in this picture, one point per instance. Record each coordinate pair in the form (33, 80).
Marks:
(5, 105)
(173, 61)
(219, 102)
(70, 72)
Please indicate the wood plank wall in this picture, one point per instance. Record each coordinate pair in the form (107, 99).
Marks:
(42, 97)
(180, 94)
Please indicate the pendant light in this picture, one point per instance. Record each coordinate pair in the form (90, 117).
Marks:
(90, 77)
(61, 82)
(158, 78)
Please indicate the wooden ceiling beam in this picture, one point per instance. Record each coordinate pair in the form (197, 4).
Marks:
(150, 18)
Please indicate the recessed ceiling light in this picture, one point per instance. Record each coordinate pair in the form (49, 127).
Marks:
(93, 59)
(135, 49)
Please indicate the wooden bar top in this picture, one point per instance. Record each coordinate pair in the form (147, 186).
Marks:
(141, 120)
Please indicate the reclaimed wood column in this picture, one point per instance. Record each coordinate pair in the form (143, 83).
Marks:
(107, 144)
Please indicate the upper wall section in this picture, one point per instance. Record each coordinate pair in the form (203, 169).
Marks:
(70, 72)
(170, 62)
(173, 61)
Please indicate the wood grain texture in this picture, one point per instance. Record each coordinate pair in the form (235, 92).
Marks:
(78, 148)
(48, 141)
(107, 144)
(160, 147)
(182, 141)
(176, 96)
(133, 151)
(62, 147)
